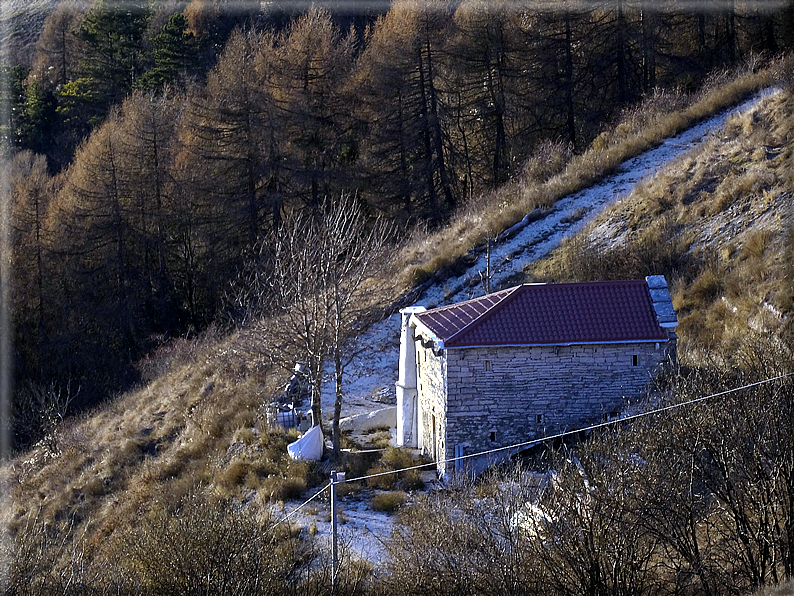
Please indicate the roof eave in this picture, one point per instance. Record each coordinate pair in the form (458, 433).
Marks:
(561, 344)
(425, 330)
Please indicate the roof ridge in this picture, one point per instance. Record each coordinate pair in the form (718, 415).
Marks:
(472, 300)
(509, 293)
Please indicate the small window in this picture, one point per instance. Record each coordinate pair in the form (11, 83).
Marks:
(492, 436)
(539, 418)
(487, 365)
(635, 360)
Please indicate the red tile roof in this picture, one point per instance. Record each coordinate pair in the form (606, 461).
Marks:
(549, 314)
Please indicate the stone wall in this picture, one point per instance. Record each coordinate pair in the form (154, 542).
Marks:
(492, 397)
(432, 397)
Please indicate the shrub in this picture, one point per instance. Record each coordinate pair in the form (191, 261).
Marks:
(213, 547)
(395, 459)
(233, 474)
(388, 501)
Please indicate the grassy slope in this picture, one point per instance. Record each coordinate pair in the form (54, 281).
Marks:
(197, 426)
(717, 223)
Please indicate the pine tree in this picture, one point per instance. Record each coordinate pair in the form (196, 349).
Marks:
(174, 52)
(111, 61)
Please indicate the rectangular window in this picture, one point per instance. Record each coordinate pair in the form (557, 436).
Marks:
(539, 418)
(635, 360)
(487, 365)
(492, 436)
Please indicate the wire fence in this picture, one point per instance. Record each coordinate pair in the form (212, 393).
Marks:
(537, 441)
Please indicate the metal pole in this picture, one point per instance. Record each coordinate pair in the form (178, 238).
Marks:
(333, 533)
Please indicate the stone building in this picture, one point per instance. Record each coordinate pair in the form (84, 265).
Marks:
(526, 362)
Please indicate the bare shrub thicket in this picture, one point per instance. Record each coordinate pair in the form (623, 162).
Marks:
(40, 558)
(460, 542)
(40, 410)
(208, 547)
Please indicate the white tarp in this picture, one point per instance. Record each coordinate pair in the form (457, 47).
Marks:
(309, 447)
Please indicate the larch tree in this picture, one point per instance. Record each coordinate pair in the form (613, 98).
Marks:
(97, 244)
(232, 130)
(58, 48)
(314, 61)
(399, 78)
(388, 149)
(32, 188)
(147, 136)
(556, 42)
(483, 67)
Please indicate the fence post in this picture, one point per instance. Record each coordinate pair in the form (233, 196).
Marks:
(335, 478)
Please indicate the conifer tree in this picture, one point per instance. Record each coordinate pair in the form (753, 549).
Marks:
(94, 235)
(314, 61)
(57, 48)
(147, 136)
(112, 59)
(407, 147)
(483, 61)
(174, 53)
(232, 133)
(32, 188)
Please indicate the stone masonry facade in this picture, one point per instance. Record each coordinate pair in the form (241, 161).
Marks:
(483, 398)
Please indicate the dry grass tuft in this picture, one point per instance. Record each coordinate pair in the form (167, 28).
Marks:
(389, 501)
(395, 459)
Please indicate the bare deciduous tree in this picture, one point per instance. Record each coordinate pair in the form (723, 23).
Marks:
(321, 283)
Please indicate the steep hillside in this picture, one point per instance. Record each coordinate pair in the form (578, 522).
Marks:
(717, 223)
(95, 498)
(197, 429)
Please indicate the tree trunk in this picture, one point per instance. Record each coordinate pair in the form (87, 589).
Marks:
(338, 371)
(570, 122)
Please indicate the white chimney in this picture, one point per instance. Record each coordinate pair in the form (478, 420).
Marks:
(406, 384)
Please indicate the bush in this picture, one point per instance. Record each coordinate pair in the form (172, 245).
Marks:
(278, 488)
(210, 547)
(395, 459)
(389, 501)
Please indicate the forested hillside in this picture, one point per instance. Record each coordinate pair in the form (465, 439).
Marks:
(154, 147)
(146, 225)
(182, 486)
